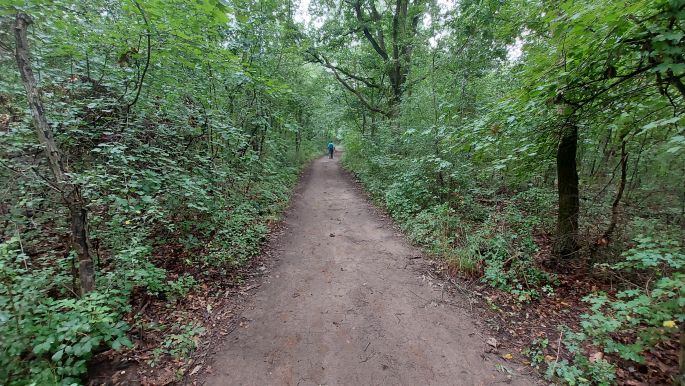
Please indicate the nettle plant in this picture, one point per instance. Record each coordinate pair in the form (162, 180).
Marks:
(640, 317)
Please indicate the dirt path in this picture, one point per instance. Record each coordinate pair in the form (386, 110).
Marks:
(347, 305)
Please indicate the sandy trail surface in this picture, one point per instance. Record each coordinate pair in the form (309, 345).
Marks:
(347, 304)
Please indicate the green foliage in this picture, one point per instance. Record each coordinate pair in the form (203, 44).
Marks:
(182, 163)
(179, 288)
(536, 352)
(135, 270)
(632, 322)
(661, 257)
(652, 314)
(178, 344)
(434, 227)
(61, 334)
(581, 370)
(239, 237)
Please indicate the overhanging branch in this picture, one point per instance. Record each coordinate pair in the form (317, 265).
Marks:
(321, 59)
(336, 73)
(367, 33)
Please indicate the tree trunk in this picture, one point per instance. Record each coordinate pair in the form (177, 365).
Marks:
(397, 59)
(681, 359)
(70, 191)
(605, 239)
(566, 244)
(619, 194)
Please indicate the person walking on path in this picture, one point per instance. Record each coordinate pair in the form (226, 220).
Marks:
(331, 149)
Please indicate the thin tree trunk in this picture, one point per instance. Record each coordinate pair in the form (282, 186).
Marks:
(566, 244)
(681, 372)
(606, 236)
(70, 191)
(619, 193)
(363, 122)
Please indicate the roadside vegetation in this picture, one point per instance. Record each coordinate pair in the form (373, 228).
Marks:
(536, 148)
(174, 132)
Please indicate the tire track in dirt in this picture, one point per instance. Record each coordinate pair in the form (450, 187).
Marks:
(346, 305)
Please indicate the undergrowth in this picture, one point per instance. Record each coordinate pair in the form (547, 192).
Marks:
(479, 234)
(49, 334)
(501, 234)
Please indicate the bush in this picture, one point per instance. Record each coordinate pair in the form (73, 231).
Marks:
(493, 241)
(581, 370)
(636, 319)
(650, 315)
(47, 339)
(434, 227)
(180, 343)
(239, 237)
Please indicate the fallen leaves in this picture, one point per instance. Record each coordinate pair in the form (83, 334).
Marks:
(195, 370)
(598, 356)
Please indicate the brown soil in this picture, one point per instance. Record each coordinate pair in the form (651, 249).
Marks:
(349, 303)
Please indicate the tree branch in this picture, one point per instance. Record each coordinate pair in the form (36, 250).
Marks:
(324, 62)
(377, 18)
(321, 59)
(583, 102)
(360, 17)
(147, 59)
(675, 81)
(358, 94)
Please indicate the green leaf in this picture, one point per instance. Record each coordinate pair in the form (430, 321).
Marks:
(56, 357)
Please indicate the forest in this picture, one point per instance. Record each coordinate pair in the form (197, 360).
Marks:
(535, 149)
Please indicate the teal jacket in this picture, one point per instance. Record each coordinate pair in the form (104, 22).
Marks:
(331, 146)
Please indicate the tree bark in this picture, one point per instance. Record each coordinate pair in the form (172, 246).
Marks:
(619, 194)
(397, 61)
(681, 357)
(605, 239)
(566, 244)
(71, 192)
